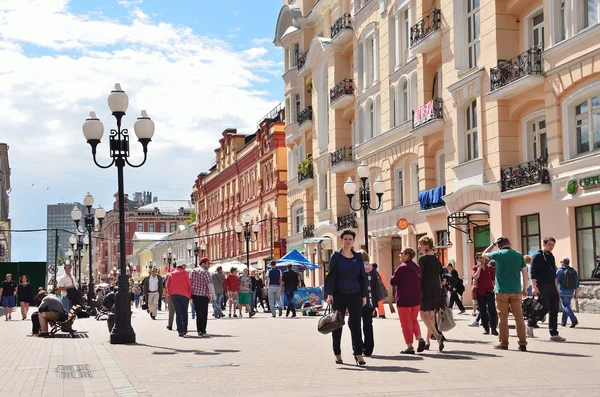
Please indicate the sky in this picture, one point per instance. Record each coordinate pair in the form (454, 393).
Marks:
(197, 67)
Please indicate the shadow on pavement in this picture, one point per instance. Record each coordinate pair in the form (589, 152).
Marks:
(404, 357)
(469, 342)
(459, 355)
(387, 368)
(588, 328)
(557, 354)
(227, 351)
(573, 342)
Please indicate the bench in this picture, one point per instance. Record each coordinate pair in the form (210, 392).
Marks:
(67, 325)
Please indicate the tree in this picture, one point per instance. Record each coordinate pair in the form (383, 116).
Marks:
(192, 218)
(61, 260)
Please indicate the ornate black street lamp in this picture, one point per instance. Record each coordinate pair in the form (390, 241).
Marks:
(196, 250)
(79, 246)
(364, 195)
(248, 230)
(93, 130)
(89, 226)
(169, 258)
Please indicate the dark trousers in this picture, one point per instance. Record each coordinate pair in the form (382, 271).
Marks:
(201, 303)
(353, 303)
(367, 327)
(180, 303)
(291, 308)
(160, 298)
(456, 297)
(35, 323)
(487, 308)
(261, 300)
(550, 299)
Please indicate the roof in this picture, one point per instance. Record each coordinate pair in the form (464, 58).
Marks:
(168, 207)
(149, 236)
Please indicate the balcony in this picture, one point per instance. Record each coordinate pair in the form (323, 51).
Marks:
(347, 222)
(300, 60)
(342, 160)
(342, 94)
(517, 75)
(525, 174)
(305, 174)
(308, 231)
(341, 31)
(428, 119)
(426, 34)
(305, 119)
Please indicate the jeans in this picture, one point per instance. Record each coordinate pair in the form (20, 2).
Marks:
(367, 325)
(136, 299)
(291, 308)
(353, 303)
(567, 311)
(217, 312)
(253, 301)
(454, 297)
(66, 303)
(193, 309)
(409, 323)
(550, 299)
(487, 306)
(274, 298)
(201, 303)
(504, 301)
(180, 304)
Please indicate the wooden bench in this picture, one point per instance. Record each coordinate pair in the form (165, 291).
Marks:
(67, 325)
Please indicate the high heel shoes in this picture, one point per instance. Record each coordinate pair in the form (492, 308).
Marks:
(359, 360)
(338, 359)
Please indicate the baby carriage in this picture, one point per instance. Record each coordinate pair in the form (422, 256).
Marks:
(533, 309)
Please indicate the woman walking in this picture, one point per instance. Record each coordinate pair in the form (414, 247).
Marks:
(346, 289)
(25, 295)
(232, 289)
(431, 289)
(407, 280)
(136, 295)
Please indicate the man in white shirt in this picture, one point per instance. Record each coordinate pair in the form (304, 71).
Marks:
(65, 282)
(153, 289)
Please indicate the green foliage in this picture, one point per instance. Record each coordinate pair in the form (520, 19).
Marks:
(306, 166)
(191, 219)
(309, 86)
(61, 260)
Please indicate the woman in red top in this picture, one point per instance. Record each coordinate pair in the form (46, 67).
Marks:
(484, 277)
(232, 288)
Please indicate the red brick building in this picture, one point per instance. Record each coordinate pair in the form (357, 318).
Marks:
(248, 176)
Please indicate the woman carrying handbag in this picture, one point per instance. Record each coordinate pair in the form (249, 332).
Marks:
(346, 289)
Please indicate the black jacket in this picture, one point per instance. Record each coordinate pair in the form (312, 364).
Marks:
(290, 280)
(543, 268)
(330, 280)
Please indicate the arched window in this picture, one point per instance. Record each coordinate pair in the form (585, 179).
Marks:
(393, 115)
(405, 101)
(371, 126)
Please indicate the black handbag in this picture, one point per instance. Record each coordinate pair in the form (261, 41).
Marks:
(331, 320)
(144, 305)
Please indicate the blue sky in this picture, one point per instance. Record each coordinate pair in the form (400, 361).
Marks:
(197, 67)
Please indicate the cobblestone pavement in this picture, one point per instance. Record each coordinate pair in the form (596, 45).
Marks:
(263, 356)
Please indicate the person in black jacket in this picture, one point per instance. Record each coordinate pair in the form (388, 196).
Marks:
(456, 288)
(544, 283)
(345, 287)
(290, 285)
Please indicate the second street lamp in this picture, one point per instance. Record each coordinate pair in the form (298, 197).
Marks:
(364, 195)
(195, 250)
(89, 226)
(79, 245)
(248, 230)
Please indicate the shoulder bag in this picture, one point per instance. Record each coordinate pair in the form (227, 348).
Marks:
(445, 319)
(382, 292)
(331, 320)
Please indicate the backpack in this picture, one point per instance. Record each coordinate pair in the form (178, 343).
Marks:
(569, 279)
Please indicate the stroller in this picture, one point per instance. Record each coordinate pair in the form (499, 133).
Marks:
(533, 309)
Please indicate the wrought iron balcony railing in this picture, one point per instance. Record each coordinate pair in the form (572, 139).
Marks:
(425, 27)
(347, 222)
(342, 155)
(305, 174)
(300, 60)
(308, 231)
(525, 174)
(344, 87)
(528, 63)
(342, 23)
(305, 115)
(432, 110)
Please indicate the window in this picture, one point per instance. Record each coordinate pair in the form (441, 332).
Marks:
(587, 125)
(371, 120)
(473, 31)
(324, 192)
(590, 13)
(406, 33)
(298, 218)
(442, 242)
(587, 223)
(163, 227)
(140, 227)
(405, 101)
(297, 106)
(440, 164)
(539, 139)
(414, 189)
(472, 143)
(562, 21)
(151, 227)
(393, 106)
(173, 227)
(530, 234)
(286, 59)
(295, 53)
(367, 65)
(538, 30)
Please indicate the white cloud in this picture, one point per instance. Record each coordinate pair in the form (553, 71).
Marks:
(128, 3)
(192, 86)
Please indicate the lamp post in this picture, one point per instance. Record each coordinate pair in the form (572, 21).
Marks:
(169, 258)
(364, 195)
(248, 230)
(195, 250)
(89, 226)
(79, 245)
(93, 130)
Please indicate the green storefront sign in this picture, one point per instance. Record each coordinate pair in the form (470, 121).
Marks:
(590, 182)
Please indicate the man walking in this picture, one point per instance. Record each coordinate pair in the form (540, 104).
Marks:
(290, 282)
(484, 275)
(202, 291)
(457, 289)
(568, 284)
(218, 280)
(545, 283)
(180, 292)
(153, 290)
(274, 285)
(8, 290)
(65, 282)
(510, 268)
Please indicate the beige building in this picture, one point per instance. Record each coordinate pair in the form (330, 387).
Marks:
(475, 113)
(5, 223)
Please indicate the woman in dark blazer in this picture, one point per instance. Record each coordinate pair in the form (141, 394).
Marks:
(345, 286)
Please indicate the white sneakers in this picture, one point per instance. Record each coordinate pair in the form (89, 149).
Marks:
(529, 332)
(557, 338)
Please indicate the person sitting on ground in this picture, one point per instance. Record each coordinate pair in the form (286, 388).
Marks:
(100, 295)
(109, 300)
(51, 309)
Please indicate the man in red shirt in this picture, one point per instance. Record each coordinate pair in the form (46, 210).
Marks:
(484, 277)
(180, 291)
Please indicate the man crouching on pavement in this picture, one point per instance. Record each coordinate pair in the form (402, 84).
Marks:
(51, 309)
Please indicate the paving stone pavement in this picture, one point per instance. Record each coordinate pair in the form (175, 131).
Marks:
(263, 356)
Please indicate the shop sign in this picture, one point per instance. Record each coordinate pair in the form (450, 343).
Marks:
(402, 224)
(590, 182)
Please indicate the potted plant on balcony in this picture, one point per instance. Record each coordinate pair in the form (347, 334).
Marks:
(309, 86)
(305, 167)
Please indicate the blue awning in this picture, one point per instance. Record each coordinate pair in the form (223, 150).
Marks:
(432, 198)
(297, 260)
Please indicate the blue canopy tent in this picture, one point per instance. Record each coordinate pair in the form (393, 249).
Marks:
(297, 260)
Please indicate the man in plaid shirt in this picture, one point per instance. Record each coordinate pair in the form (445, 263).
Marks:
(203, 291)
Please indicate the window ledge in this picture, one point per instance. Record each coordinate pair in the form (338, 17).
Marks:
(576, 163)
(368, 92)
(579, 36)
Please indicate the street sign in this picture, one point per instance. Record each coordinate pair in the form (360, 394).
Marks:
(402, 224)
(51, 269)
